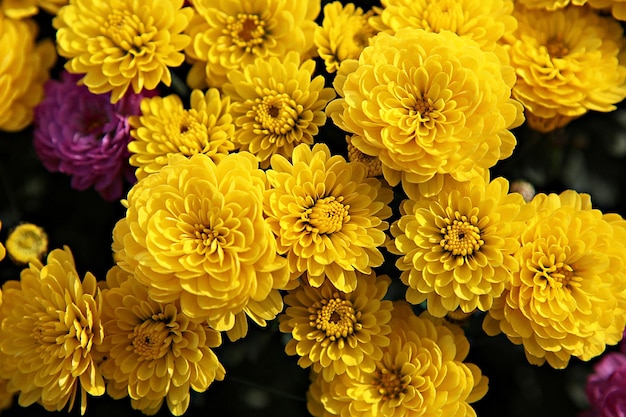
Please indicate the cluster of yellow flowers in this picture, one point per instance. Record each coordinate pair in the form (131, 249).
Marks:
(242, 211)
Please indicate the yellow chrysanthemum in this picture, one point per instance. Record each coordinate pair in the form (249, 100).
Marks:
(122, 43)
(422, 373)
(372, 163)
(230, 34)
(616, 7)
(568, 297)
(327, 214)
(335, 332)
(458, 247)
(51, 326)
(344, 32)
(277, 104)
(154, 352)
(26, 242)
(484, 21)
(567, 62)
(413, 100)
(21, 9)
(195, 231)
(549, 4)
(165, 127)
(24, 70)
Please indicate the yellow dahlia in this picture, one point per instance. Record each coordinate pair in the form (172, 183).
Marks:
(20, 9)
(335, 332)
(328, 216)
(122, 43)
(422, 373)
(458, 247)
(344, 32)
(26, 242)
(277, 104)
(484, 21)
(24, 70)
(195, 231)
(616, 7)
(567, 62)
(427, 104)
(50, 329)
(568, 297)
(154, 353)
(166, 127)
(230, 34)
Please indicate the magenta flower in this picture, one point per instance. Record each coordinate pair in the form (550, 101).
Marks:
(606, 387)
(85, 136)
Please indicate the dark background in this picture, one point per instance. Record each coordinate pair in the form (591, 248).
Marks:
(261, 380)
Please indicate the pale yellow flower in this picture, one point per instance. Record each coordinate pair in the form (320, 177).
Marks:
(26, 242)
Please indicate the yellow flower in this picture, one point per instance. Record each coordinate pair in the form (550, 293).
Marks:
(20, 9)
(616, 7)
(24, 70)
(344, 33)
(229, 34)
(26, 242)
(122, 43)
(327, 214)
(51, 326)
(567, 62)
(458, 247)
(484, 21)
(165, 127)
(413, 100)
(195, 231)
(335, 332)
(567, 299)
(372, 163)
(3, 252)
(422, 373)
(154, 352)
(549, 4)
(277, 105)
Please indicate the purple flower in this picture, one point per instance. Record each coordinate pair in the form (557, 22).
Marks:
(85, 136)
(606, 387)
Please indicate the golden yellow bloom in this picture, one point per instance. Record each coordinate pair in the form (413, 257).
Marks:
(412, 100)
(484, 21)
(616, 7)
(26, 242)
(549, 4)
(327, 214)
(154, 352)
(195, 231)
(422, 373)
(20, 9)
(165, 127)
(345, 31)
(568, 62)
(372, 163)
(277, 104)
(50, 329)
(567, 299)
(230, 34)
(458, 247)
(335, 332)
(24, 70)
(122, 43)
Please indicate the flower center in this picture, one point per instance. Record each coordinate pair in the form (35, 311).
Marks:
(389, 383)
(190, 136)
(556, 48)
(151, 339)
(246, 30)
(275, 113)
(559, 275)
(327, 216)
(460, 237)
(372, 163)
(443, 15)
(336, 317)
(126, 30)
(209, 239)
(424, 107)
